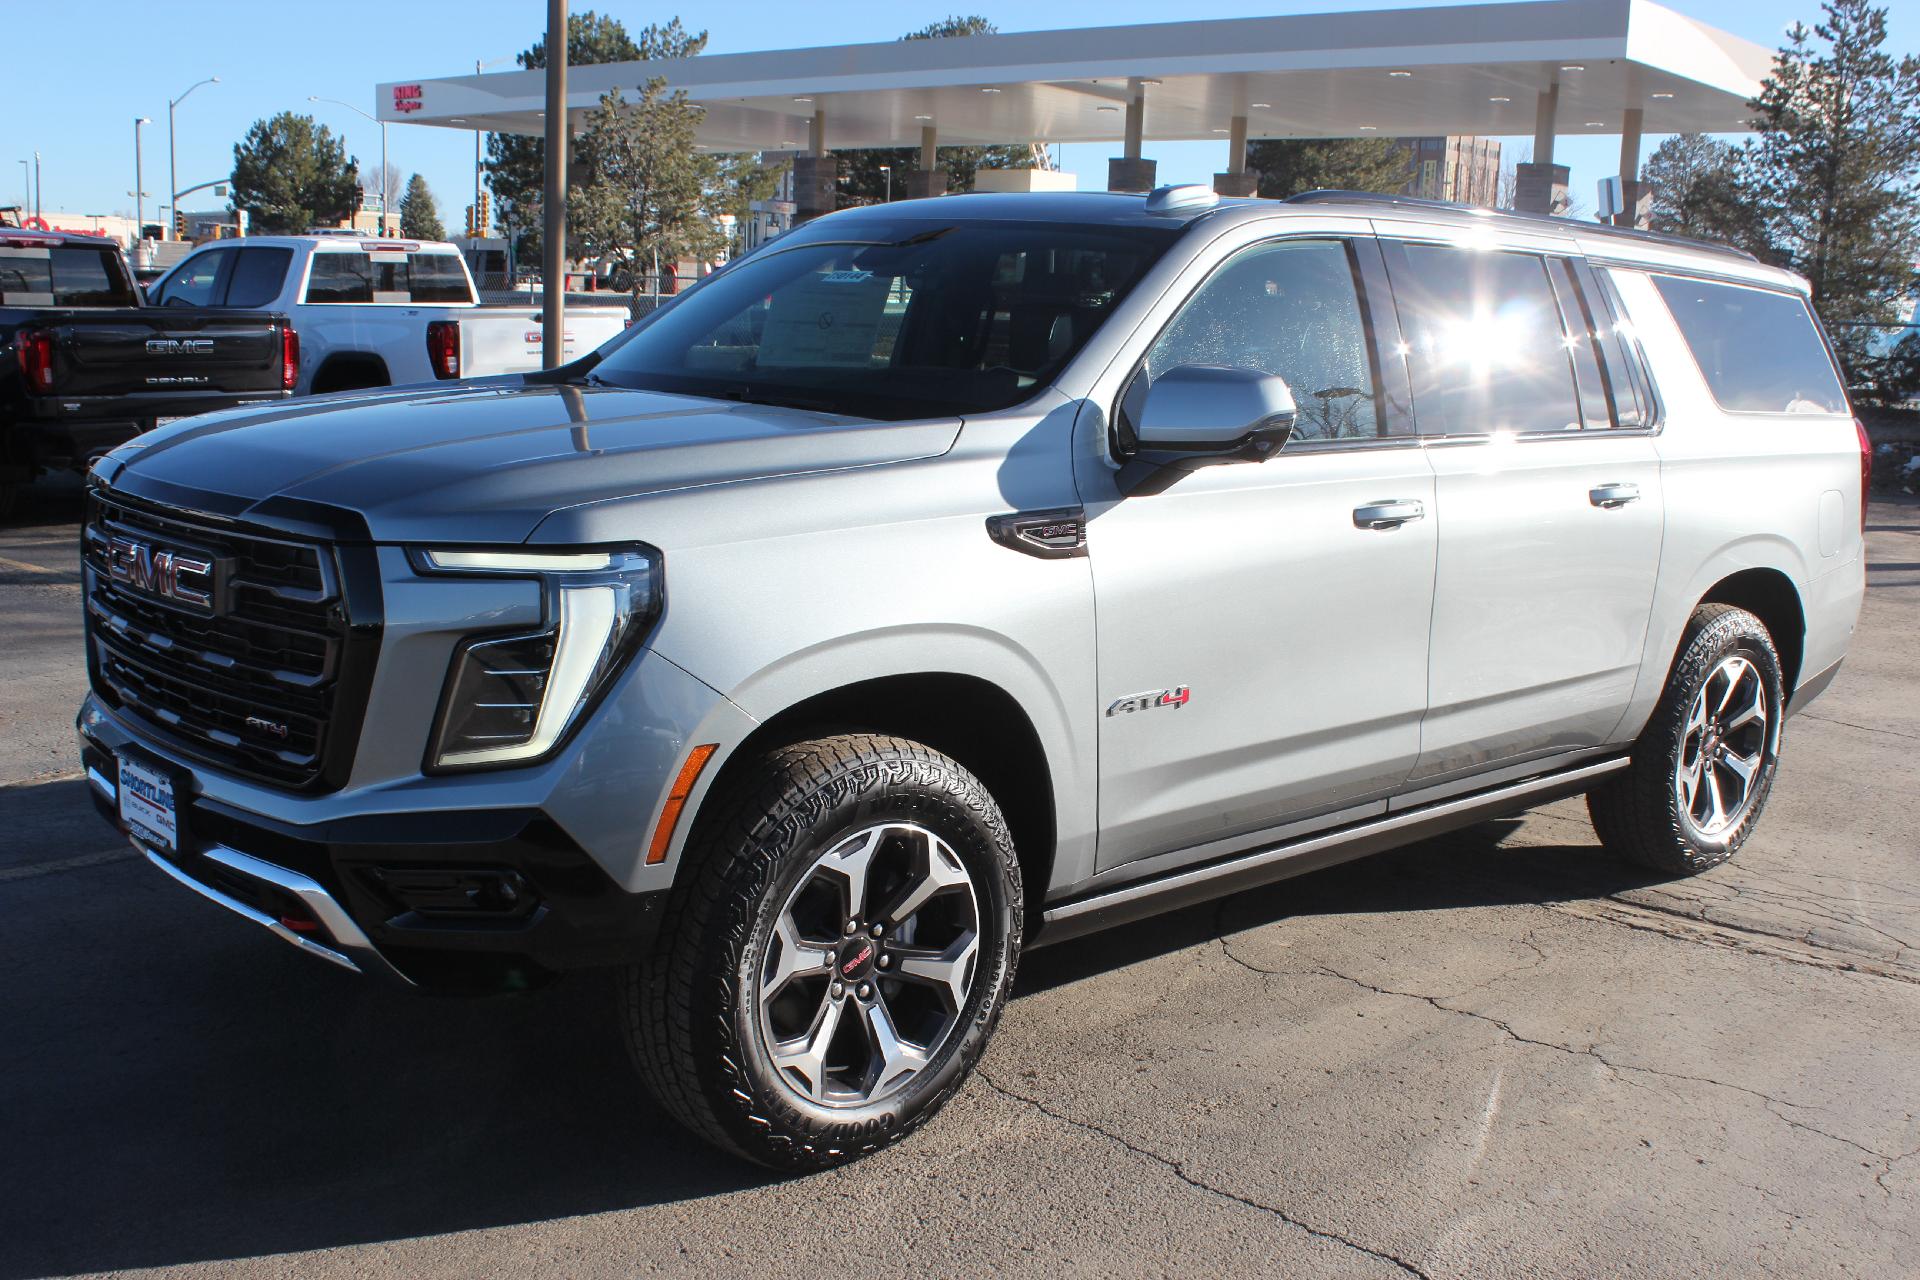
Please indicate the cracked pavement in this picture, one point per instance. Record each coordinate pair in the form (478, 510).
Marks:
(1495, 1054)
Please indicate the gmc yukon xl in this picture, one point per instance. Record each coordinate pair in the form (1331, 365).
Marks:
(957, 576)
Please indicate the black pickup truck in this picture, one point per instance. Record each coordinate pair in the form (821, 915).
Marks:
(85, 364)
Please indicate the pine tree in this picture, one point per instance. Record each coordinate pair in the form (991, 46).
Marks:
(290, 175)
(652, 197)
(1288, 166)
(419, 217)
(516, 163)
(1836, 171)
(1697, 192)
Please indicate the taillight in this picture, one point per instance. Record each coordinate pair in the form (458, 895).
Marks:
(1866, 472)
(443, 348)
(35, 349)
(289, 358)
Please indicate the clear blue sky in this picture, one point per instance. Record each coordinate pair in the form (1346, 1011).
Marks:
(75, 97)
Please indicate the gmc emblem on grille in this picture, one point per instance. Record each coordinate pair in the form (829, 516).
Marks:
(173, 576)
(179, 346)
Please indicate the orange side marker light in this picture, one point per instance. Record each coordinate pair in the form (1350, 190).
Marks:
(677, 801)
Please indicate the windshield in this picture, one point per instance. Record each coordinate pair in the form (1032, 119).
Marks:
(946, 320)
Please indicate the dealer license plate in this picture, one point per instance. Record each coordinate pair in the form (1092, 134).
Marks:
(147, 805)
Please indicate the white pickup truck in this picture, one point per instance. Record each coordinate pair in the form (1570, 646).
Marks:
(375, 313)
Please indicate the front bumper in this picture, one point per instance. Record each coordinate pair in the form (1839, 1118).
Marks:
(455, 901)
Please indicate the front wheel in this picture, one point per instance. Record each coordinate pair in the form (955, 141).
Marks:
(839, 949)
(1703, 766)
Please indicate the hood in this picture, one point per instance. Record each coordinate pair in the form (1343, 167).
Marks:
(487, 463)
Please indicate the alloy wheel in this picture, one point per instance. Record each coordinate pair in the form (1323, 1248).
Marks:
(869, 965)
(1724, 747)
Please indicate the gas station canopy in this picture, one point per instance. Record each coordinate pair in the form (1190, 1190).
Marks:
(1483, 69)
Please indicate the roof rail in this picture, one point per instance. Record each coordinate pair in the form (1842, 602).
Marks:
(1478, 211)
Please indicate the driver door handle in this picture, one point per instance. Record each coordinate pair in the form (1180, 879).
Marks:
(1387, 514)
(1609, 496)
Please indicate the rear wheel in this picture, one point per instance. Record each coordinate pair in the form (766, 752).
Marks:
(1704, 765)
(839, 949)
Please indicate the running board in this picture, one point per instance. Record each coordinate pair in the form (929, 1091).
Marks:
(1310, 853)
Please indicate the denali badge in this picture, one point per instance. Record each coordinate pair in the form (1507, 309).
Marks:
(179, 346)
(1174, 697)
(139, 567)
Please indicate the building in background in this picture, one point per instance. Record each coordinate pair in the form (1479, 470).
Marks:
(1461, 169)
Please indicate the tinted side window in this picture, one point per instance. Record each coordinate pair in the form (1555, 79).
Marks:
(1759, 350)
(257, 277)
(436, 277)
(62, 276)
(340, 277)
(1488, 346)
(1290, 308)
(197, 282)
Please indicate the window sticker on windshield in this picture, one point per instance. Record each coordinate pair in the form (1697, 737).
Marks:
(15, 252)
(26, 299)
(829, 320)
(394, 256)
(392, 295)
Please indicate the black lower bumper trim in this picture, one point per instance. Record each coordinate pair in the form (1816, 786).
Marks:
(460, 901)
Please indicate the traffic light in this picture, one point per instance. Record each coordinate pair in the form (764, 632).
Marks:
(179, 225)
(485, 219)
(470, 231)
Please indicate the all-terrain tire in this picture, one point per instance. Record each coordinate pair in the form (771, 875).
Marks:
(689, 1009)
(1640, 814)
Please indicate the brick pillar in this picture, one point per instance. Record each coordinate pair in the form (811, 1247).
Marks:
(1131, 175)
(1540, 188)
(816, 183)
(1244, 183)
(920, 183)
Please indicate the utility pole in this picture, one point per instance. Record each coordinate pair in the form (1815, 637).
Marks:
(139, 185)
(553, 291)
(173, 172)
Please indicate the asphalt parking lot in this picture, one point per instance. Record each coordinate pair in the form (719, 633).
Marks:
(1495, 1054)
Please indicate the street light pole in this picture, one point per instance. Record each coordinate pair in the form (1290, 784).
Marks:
(553, 235)
(383, 150)
(26, 179)
(39, 191)
(888, 170)
(173, 173)
(139, 183)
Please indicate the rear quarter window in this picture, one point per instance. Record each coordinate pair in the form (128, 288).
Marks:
(388, 276)
(63, 276)
(1759, 350)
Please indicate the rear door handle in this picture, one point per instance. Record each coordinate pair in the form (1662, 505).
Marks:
(1388, 514)
(1609, 496)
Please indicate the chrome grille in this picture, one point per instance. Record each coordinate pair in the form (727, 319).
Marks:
(260, 686)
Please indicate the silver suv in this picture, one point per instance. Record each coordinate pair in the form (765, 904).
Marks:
(956, 576)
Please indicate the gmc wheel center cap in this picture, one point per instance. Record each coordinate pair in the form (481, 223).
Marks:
(856, 959)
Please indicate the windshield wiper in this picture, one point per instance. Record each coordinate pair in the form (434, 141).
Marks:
(745, 394)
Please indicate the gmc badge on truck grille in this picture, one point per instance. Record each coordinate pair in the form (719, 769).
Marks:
(172, 576)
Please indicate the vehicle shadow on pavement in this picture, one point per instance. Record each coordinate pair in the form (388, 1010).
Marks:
(1468, 868)
(180, 1088)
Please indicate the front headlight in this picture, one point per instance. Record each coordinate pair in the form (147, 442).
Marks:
(511, 699)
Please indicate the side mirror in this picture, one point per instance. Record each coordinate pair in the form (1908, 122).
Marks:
(1198, 415)
(1215, 408)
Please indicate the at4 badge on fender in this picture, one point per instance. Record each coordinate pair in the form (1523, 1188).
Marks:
(1175, 697)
